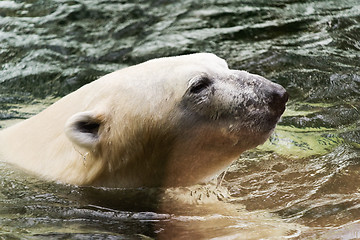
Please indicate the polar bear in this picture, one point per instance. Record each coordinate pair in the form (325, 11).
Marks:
(171, 121)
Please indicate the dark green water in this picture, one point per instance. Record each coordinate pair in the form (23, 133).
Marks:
(307, 174)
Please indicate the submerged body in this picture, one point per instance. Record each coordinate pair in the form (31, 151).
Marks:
(166, 122)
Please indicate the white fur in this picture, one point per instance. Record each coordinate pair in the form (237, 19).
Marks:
(152, 130)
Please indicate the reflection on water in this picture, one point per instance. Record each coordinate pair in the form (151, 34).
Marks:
(302, 181)
(46, 210)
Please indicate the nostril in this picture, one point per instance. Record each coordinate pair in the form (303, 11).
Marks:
(278, 100)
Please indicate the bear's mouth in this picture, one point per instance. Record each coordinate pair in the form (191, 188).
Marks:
(255, 126)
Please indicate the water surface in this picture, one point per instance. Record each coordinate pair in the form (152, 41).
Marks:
(302, 183)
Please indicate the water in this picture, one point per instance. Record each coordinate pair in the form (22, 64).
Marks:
(302, 183)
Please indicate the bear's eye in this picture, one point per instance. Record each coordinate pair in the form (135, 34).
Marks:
(200, 85)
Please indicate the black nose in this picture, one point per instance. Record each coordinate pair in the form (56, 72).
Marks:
(278, 99)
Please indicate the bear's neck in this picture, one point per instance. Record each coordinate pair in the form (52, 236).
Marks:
(39, 144)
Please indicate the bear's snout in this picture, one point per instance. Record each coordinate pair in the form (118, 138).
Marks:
(278, 98)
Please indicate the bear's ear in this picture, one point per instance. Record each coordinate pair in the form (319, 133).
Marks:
(83, 129)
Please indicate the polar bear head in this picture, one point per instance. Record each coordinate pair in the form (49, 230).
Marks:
(174, 121)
